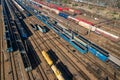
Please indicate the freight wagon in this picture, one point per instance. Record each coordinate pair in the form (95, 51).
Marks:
(22, 33)
(43, 29)
(81, 48)
(98, 52)
(63, 15)
(33, 27)
(9, 46)
(7, 39)
(56, 71)
(26, 62)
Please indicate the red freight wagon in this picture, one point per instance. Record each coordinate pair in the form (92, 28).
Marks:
(60, 8)
(65, 8)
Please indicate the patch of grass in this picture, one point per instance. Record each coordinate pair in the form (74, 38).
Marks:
(90, 7)
(75, 5)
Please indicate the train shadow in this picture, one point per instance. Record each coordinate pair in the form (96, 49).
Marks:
(52, 55)
(47, 29)
(28, 32)
(32, 55)
(63, 68)
(15, 47)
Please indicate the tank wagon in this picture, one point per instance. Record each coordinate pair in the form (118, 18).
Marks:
(56, 71)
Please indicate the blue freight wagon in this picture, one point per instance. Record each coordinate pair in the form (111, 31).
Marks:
(98, 53)
(82, 49)
(63, 15)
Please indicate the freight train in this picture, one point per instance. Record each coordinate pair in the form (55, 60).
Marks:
(81, 44)
(60, 8)
(81, 22)
(56, 71)
(17, 38)
(61, 30)
(7, 36)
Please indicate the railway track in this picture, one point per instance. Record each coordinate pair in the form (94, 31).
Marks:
(2, 68)
(90, 60)
(106, 46)
(36, 61)
(58, 50)
(31, 74)
(104, 70)
(63, 53)
(17, 66)
(40, 69)
(49, 47)
(4, 49)
(11, 54)
(1, 46)
(52, 42)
